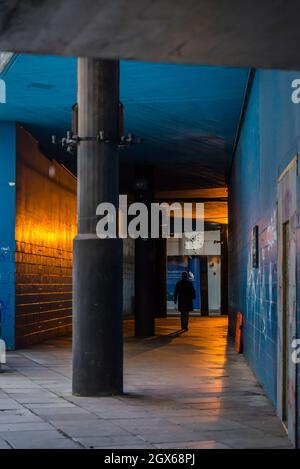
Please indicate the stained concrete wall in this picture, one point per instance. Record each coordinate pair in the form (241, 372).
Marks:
(268, 142)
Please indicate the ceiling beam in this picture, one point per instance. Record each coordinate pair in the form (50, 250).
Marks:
(252, 33)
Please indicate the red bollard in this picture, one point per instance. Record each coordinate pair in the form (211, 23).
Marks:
(239, 333)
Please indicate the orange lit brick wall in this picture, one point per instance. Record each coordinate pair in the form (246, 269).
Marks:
(45, 228)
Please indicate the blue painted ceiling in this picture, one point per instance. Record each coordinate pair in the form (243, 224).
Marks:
(187, 115)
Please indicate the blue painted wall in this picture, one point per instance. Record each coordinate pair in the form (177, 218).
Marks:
(269, 139)
(7, 230)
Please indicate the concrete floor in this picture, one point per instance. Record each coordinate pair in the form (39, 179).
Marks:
(183, 391)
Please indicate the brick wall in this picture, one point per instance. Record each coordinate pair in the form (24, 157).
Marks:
(45, 228)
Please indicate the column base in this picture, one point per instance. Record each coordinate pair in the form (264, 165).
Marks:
(97, 317)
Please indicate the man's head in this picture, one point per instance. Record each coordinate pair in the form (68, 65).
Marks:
(184, 276)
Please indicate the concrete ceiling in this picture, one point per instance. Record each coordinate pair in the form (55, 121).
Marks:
(256, 33)
(187, 115)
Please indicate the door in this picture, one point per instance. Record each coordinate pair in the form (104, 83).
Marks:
(287, 304)
(286, 319)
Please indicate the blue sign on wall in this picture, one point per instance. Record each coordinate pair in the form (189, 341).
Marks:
(179, 264)
(176, 265)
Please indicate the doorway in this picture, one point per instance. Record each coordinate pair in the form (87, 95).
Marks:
(287, 320)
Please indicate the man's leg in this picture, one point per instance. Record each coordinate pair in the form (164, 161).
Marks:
(187, 320)
(184, 319)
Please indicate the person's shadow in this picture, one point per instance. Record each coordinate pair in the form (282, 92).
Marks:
(154, 342)
(176, 333)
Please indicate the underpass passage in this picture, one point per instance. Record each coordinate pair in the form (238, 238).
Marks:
(197, 158)
(186, 390)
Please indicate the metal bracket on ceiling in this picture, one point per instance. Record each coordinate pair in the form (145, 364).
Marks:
(71, 141)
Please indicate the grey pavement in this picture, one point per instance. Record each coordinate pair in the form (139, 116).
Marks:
(187, 390)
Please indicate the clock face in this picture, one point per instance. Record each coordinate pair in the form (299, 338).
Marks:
(194, 241)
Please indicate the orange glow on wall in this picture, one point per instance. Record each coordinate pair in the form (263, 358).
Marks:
(44, 232)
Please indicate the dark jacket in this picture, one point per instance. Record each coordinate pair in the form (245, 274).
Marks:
(185, 293)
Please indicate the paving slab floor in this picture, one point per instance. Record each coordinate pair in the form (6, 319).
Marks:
(182, 390)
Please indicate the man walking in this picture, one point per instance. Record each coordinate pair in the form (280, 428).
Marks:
(185, 294)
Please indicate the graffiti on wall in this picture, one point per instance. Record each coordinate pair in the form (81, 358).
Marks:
(261, 294)
(4, 253)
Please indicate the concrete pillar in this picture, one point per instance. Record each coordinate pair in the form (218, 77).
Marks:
(204, 286)
(194, 268)
(161, 278)
(224, 270)
(97, 264)
(145, 271)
